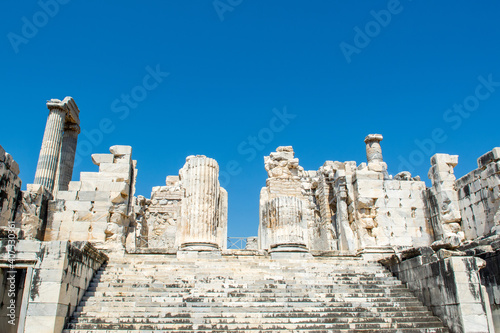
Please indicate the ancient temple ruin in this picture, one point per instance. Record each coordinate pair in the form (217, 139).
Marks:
(344, 248)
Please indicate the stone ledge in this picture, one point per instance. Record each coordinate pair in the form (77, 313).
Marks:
(89, 250)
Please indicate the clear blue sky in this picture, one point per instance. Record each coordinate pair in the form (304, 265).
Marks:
(341, 69)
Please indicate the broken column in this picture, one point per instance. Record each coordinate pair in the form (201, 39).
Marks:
(446, 197)
(200, 206)
(285, 223)
(374, 153)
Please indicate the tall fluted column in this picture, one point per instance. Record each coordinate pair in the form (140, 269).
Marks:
(51, 146)
(68, 151)
(287, 227)
(199, 178)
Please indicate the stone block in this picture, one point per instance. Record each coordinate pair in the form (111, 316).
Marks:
(491, 156)
(88, 185)
(74, 186)
(115, 176)
(86, 195)
(83, 216)
(51, 275)
(110, 186)
(102, 206)
(97, 159)
(66, 195)
(114, 168)
(120, 150)
(117, 197)
(79, 205)
(97, 233)
(101, 196)
(89, 176)
(172, 180)
(392, 185)
(101, 217)
(28, 246)
(365, 189)
(447, 159)
(369, 175)
(46, 309)
(66, 215)
(44, 324)
(48, 292)
(14, 168)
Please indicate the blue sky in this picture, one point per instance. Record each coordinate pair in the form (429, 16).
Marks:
(234, 79)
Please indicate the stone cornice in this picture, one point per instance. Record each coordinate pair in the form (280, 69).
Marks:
(69, 106)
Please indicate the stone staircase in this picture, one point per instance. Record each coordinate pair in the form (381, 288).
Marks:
(162, 293)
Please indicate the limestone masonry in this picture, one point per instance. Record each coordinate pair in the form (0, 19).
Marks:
(344, 248)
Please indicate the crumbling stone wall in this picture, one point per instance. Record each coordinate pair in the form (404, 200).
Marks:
(488, 249)
(479, 197)
(490, 278)
(448, 283)
(99, 207)
(10, 187)
(349, 207)
(286, 178)
(388, 212)
(58, 274)
(163, 214)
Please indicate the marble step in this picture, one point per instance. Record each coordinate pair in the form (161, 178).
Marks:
(311, 330)
(259, 319)
(239, 326)
(172, 288)
(401, 315)
(242, 293)
(276, 309)
(138, 300)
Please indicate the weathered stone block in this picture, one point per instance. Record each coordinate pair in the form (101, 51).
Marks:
(114, 168)
(74, 186)
(102, 158)
(120, 150)
(79, 205)
(491, 156)
(67, 195)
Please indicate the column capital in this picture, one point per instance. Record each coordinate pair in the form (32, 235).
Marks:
(68, 105)
(373, 138)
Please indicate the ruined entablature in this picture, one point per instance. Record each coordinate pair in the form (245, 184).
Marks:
(283, 164)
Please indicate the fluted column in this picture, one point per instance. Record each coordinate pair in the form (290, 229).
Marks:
(199, 178)
(68, 151)
(51, 146)
(287, 227)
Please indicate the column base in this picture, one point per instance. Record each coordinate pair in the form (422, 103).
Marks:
(199, 246)
(288, 247)
(290, 252)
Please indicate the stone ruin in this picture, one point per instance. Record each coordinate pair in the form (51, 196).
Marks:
(58, 233)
